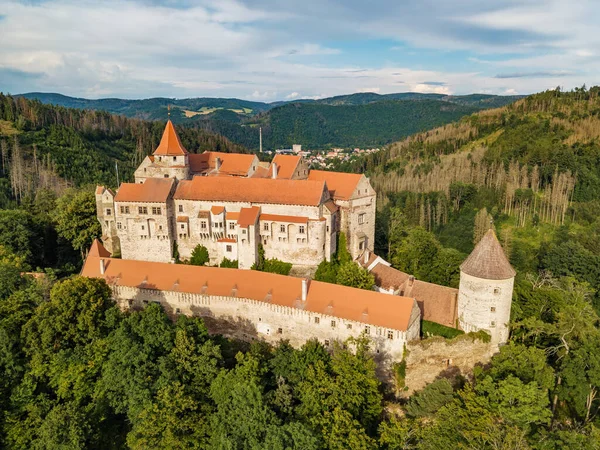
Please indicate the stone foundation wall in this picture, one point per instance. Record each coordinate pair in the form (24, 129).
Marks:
(437, 357)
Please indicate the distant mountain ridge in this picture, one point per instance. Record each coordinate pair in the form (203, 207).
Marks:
(360, 119)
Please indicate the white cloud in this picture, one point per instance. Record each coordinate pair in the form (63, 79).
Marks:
(292, 96)
(264, 49)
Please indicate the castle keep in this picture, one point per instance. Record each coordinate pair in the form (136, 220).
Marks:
(232, 203)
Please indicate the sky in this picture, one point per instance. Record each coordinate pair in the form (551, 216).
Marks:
(269, 50)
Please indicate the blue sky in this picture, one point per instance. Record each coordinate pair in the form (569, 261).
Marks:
(271, 50)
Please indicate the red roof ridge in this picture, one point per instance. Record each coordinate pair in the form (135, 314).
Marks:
(251, 190)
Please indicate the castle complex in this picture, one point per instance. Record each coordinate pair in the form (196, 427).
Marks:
(232, 204)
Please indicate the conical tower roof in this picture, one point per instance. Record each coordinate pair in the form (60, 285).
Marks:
(98, 250)
(170, 145)
(487, 260)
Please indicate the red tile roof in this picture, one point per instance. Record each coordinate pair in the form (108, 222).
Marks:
(340, 185)
(437, 303)
(338, 301)
(232, 215)
(217, 210)
(170, 145)
(286, 165)
(280, 218)
(248, 216)
(183, 219)
(152, 190)
(261, 172)
(230, 240)
(252, 190)
(97, 249)
(231, 163)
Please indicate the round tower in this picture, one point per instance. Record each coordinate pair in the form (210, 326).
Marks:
(485, 290)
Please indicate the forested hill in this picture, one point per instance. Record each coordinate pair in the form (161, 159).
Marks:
(533, 168)
(80, 146)
(362, 119)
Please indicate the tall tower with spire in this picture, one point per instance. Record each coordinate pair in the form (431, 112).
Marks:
(170, 157)
(486, 288)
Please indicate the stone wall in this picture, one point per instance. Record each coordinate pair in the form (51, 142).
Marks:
(250, 319)
(485, 305)
(437, 357)
(145, 236)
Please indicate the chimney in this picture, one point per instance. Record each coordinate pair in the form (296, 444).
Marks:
(274, 170)
(411, 280)
(217, 163)
(102, 267)
(304, 289)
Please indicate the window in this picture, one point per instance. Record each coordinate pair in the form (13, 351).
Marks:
(166, 175)
(496, 291)
(328, 228)
(492, 324)
(266, 227)
(143, 228)
(142, 210)
(203, 225)
(228, 248)
(326, 342)
(282, 228)
(317, 320)
(390, 335)
(361, 245)
(301, 229)
(367, 329)
(156, 210)
(183, 226)
(180, 208)
(333, 324)
(124, 209)
(118, 225)
(232, 225)
(108, 211)
(160, 227)
(244, 231)
(361, 218)
(279, 330)
(349, 326)
(493, 309)
(174, 158)
(177, 311)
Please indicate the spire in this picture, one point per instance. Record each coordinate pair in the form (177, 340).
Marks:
(98, 250)
(487, 260)
(170, 145)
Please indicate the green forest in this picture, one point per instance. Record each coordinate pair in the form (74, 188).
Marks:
(77, 373)
(356, 120)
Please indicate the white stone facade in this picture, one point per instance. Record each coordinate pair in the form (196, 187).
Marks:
(248, 319)
(485, 305)
(301, 235)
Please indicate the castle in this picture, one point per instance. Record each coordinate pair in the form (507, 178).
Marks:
(231, 204)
